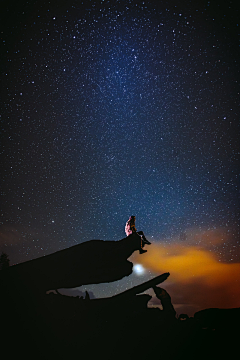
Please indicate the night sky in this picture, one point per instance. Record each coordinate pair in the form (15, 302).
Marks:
(119, 108)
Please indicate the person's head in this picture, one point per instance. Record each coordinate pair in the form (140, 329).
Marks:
(132, 218)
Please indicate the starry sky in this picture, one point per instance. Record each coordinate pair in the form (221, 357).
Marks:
(119, 108)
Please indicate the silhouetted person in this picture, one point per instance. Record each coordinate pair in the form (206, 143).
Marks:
(130, 229)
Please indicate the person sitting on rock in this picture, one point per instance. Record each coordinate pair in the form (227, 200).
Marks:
(130, 228)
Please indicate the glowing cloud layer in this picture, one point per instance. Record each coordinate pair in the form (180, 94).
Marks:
(197, 277)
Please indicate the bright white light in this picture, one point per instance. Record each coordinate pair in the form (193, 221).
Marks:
(138, 269)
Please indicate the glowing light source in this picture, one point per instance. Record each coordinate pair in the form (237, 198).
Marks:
(138, 269)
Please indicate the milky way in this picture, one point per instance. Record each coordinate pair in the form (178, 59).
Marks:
(119, 108)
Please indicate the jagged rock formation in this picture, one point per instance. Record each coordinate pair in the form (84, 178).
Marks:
(91, 262)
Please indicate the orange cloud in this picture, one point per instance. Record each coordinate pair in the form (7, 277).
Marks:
(186, 263)
(197, 278)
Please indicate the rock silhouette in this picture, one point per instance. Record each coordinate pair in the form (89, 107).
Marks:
(55, 326)
(215, 318)
(91, 262)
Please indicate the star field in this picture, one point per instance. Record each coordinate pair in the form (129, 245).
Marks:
(118, 108)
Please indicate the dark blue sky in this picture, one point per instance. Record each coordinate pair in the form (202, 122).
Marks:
(118, 108)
